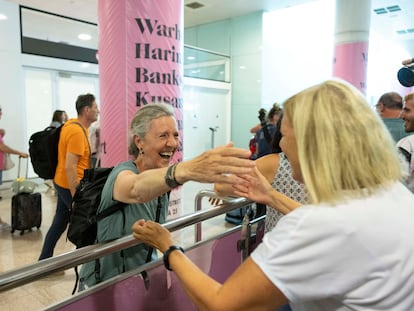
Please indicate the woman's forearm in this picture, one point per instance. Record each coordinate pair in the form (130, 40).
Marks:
(281, 202)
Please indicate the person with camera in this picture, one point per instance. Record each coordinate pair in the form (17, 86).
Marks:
(263, 137)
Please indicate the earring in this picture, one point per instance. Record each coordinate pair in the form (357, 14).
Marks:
(141, 151)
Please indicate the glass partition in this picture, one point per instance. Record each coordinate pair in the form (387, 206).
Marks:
(203, 64)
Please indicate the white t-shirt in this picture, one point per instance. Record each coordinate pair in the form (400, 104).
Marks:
(357, 255)
(94, 132)
(407, 143)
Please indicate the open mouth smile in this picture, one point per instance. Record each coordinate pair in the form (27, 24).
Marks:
(167, 154)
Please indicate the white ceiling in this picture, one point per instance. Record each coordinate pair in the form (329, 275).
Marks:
(387, 24)
(213, 10)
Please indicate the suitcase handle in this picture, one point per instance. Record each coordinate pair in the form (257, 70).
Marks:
(27, 168)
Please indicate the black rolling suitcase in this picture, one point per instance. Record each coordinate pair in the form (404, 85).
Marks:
(26, 209)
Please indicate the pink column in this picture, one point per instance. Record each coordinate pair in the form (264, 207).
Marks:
(352, 25)
(140, 62)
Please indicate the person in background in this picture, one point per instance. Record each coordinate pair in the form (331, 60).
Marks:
(264, 136)
(263, 140)
(277, 171)
(73, 159)
(406, 144)
(254, 130)
(59, 117)
(143, 185)
(262, 115)
(389, 107)
(94, 142)
(333, 253)
(6, 149)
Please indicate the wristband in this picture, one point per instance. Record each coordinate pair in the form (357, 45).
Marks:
(167, 255)
(170, 177)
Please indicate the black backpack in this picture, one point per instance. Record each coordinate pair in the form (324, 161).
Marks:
(82, 228)
(43, 150)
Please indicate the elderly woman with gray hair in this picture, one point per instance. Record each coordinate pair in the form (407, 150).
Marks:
(143, 185)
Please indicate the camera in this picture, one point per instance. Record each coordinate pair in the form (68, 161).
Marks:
(406, 74)
(262, 115)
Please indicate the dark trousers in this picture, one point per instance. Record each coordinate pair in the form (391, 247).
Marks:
(59, 223)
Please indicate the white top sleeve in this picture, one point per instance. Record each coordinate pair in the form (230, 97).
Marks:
(346, 257)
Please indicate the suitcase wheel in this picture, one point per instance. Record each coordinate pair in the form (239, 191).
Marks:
(12, 230)
(22, 232)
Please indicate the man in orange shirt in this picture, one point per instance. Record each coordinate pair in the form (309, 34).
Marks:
(73, 158)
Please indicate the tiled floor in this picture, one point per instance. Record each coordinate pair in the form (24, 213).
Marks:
(19, 250)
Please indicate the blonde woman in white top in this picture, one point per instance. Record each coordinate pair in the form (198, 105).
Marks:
(350, 248)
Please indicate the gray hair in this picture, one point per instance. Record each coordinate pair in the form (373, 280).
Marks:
(142, 119)
(391, 100)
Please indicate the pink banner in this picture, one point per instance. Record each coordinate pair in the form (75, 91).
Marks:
(350, 63)
(140, 62)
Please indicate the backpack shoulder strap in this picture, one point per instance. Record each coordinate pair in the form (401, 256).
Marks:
(110, 210)
(84, 132)
(157, 219)
(151, 249)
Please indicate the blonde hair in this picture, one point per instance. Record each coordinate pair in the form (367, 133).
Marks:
(344, 148)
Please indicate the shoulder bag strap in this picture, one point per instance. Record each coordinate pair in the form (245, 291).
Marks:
(157, 219)
(86, 136)
(151, 249)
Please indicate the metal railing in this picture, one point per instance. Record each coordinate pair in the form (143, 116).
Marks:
(30, 273)
(198, 205)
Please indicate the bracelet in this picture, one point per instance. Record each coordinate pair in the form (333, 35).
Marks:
(173, 174)
(170, 179)
(167, 255)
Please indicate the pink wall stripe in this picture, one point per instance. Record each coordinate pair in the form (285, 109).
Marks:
(140, 62)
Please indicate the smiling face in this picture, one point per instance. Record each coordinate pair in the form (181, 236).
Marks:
(159, 144)
(289, 147)
(407, 115)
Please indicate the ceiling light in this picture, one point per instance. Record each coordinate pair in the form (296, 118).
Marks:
(380, 11)
(3, 17)
(194, 5)
(393, 8)
(84, 36)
